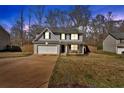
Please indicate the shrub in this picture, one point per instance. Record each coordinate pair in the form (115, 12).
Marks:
(14, 49)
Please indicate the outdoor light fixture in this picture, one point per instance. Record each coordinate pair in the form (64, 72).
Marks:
(46, 43)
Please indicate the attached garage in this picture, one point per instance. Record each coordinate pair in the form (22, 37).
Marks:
(51, 49)
(120, 49)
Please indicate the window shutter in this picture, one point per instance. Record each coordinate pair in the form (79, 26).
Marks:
(65, 36)
(78, 37)
(43, 35)
(60, 36)
(49, 35)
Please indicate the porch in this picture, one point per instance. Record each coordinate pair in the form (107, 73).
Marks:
(71, 49)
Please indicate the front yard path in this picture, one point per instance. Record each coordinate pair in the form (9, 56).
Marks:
(26, 72)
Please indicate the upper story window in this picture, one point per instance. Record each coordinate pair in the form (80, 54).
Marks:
(74, 36)
(121, 41)
(62, 36)
(47, 35)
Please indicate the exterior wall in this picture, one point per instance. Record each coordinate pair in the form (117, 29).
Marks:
(68, 39)
(53, 38)
(36, 48)
(56, 37)
(109, 44)
(4, 40)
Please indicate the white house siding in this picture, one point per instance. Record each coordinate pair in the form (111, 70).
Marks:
(53, 43)
(35, 48)
(57, 36)
(109, 44)
(53, 37)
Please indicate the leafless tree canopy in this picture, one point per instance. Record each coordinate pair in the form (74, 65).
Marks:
(95, 29)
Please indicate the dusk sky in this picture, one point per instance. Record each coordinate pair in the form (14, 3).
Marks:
(8, 14)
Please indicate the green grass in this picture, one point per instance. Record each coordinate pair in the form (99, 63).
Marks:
(94, 70)
(14, 54)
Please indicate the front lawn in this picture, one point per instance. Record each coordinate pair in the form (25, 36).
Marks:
(93, 70)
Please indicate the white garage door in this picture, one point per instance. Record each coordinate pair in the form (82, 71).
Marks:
(120, 50)
(47, 49)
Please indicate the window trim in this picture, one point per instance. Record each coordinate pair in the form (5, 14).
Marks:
(62, 36)
(74, 47)
(75, 37)
(47, 35)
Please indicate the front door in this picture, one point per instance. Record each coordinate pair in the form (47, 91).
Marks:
(62, 48)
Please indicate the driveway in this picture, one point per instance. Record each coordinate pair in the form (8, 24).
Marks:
(26, 72)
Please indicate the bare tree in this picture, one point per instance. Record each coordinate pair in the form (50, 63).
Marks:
(39, 14)
(58, 18)
(109, 22)
(80, 16)
(51, 18)
(29, 23)
(16, 34)
(17, 30)
(22, 25)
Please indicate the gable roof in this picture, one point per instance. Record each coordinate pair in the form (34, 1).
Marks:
(117, 35)
(66, 30)
(46, 29)
(55, 30)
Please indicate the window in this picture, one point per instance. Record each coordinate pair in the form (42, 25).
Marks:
(74, 47)
(74, 36)
(62, 36)
(47, 35)
(121, 41)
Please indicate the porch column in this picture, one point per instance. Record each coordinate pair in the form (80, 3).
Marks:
(82, 49)
(66, 49)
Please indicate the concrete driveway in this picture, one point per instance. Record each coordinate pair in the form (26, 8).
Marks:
(26, 72)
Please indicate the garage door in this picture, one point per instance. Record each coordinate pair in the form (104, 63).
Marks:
(47, 49)
(120, 50)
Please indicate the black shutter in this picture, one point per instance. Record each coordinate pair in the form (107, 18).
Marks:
(65, 36)
(49, 35)
(78, 36)
(70, 36)
(60, 36)
(43, 35)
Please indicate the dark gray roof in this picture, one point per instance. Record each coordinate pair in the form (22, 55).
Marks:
(66, 31)
(117, 35)
(63, 30)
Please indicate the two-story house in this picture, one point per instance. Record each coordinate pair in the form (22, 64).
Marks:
(59, 42)
(114, 42)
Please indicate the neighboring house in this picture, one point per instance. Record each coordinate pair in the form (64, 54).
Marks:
(4, 38)
(114, 42)
(59, 41)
